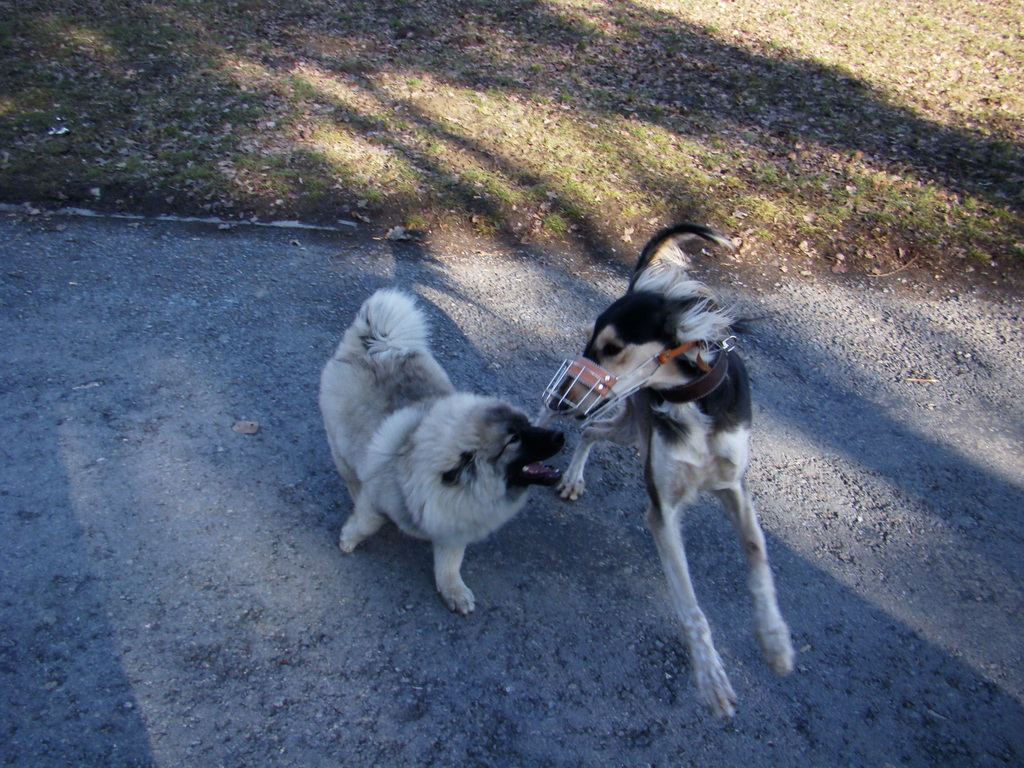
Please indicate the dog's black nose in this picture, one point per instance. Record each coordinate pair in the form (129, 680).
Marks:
(544, 442)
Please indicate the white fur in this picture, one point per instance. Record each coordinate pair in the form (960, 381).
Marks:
(391, 322)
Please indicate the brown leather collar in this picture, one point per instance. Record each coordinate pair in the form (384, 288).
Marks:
(701, 386)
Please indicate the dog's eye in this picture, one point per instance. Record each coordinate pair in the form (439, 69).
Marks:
(513, 439)
(611, 349)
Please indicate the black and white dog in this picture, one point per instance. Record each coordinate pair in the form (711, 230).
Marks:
(659, 372)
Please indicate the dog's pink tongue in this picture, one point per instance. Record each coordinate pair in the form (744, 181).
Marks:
(541, 474)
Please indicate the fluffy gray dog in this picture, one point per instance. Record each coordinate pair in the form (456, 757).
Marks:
(444, 466)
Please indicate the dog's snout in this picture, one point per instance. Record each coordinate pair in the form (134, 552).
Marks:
(544, 442)
(553, 443)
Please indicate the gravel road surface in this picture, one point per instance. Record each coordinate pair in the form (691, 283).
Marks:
(172, 594)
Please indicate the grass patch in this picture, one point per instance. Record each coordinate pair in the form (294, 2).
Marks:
(842, 128)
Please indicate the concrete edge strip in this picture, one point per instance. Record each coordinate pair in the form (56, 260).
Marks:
(346, 226)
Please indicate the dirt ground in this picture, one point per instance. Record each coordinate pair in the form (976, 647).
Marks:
(172, 594)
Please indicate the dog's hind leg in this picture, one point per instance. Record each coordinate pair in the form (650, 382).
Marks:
(349, 476)
(447, 566)
(772, 632)
(712, 682)
(364, 522)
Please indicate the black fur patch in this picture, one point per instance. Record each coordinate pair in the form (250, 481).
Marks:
(640, 317)
(637, 319)
(670, 430)
(652, 487)
(729, 406)
(462, 472)
(511, 419)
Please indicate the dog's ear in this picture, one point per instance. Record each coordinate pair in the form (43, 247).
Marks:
(696, 318)
(462, 472)
(678, 308)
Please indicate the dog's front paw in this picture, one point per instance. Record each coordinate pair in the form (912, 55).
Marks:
(777, 648)
(571, 488)
(348, 541)
(715, 690)
(459, 599)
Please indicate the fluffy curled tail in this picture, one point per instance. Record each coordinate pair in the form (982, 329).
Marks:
(390, 322)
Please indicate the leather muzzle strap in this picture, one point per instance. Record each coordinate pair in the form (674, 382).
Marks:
(700, 387)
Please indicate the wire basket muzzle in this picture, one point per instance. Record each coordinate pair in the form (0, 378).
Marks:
(581, 387)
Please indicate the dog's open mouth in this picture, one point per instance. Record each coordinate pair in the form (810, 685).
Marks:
(538, 474)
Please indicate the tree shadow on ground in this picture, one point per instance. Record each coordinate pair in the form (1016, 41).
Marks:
(787, 138)
(249, 637)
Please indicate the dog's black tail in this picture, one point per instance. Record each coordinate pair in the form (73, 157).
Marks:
(671, 236)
